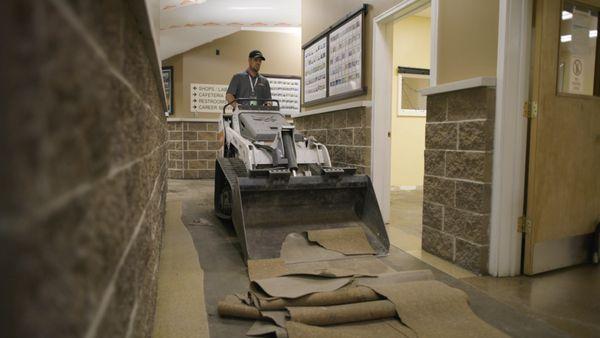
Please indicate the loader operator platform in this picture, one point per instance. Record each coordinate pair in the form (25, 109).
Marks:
(249, 83)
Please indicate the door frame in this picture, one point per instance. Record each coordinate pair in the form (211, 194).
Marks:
(510, 129)
(510, 140)
(382, 68)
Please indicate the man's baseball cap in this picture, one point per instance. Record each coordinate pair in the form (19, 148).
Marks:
(256, 54)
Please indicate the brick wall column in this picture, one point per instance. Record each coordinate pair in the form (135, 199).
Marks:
(345, 133)
(458, 174)
(193, 147)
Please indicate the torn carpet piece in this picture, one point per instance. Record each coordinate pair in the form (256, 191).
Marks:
(434, 309)
(297, 286)
(262, 328)
(353, 293)
(345, 295)
(348, 241)
(266, 268)
(278, 317)
(347, 267)
(396, 277)
(296, 248)
(232, 306)
(344, 313)
(386, 328)
(350, 266)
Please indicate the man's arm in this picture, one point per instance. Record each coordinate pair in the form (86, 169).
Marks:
(234, 85)
(268, 90)
(268, 93)
(230, 98)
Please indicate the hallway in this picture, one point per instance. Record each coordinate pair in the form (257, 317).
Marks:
(513, 304)
(300, 168)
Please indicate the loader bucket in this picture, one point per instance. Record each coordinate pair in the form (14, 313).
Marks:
(265, 212)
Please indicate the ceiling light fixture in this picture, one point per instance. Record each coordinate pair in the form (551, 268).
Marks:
(567, 15)
(565, 38)
(594, 33)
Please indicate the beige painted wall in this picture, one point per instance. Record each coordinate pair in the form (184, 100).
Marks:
(411, 48)
(201, 65)
(467, 39)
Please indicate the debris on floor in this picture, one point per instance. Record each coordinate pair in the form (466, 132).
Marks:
(313, 291)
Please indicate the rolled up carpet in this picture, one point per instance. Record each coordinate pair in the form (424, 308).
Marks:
(232, 306)
(345, 313)
(346, 295)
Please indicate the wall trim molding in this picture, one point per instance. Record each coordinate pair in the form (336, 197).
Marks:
(411, 113)
(382, 77)
(510, 136)
(481, 81)
(341, 106)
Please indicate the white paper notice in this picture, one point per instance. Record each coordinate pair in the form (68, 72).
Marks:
(580, 28)
(577, 73)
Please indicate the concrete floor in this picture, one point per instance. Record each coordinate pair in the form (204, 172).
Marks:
(561, 298)
(552, 305)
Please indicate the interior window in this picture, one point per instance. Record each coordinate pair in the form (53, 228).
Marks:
(578, 54)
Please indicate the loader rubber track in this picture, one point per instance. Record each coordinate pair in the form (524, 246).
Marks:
(227, 170)
(233, 168)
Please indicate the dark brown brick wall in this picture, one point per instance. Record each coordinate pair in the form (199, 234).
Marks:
(458, 174)
(193, 148)
(83, 174)
(346, 134)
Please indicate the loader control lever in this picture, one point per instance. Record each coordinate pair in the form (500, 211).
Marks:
(254, 104)
(289, 150)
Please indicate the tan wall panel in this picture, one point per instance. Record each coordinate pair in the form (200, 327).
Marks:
(411, 48)
(408, 146)
(202, 65)
(467, 39)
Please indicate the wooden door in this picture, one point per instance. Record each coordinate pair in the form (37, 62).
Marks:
(563, 189)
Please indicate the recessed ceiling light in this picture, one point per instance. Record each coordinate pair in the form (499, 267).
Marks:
(565, 38)
(566, 15)
(593, 33)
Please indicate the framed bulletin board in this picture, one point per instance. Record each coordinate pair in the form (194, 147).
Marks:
(285, 89)
(333, 61)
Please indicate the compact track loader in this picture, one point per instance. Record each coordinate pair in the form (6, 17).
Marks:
(272, 181)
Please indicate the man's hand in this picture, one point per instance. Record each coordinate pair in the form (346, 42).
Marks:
(230, 99)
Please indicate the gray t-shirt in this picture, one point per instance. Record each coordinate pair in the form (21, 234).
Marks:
(241, 86)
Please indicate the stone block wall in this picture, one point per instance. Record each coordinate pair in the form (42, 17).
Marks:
(83, 174)
(193, 147)
(346, 134)
(458, 174)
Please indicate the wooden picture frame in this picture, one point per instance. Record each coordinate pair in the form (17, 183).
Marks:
(167, 76)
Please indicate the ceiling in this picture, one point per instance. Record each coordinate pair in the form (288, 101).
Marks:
(185, 24)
